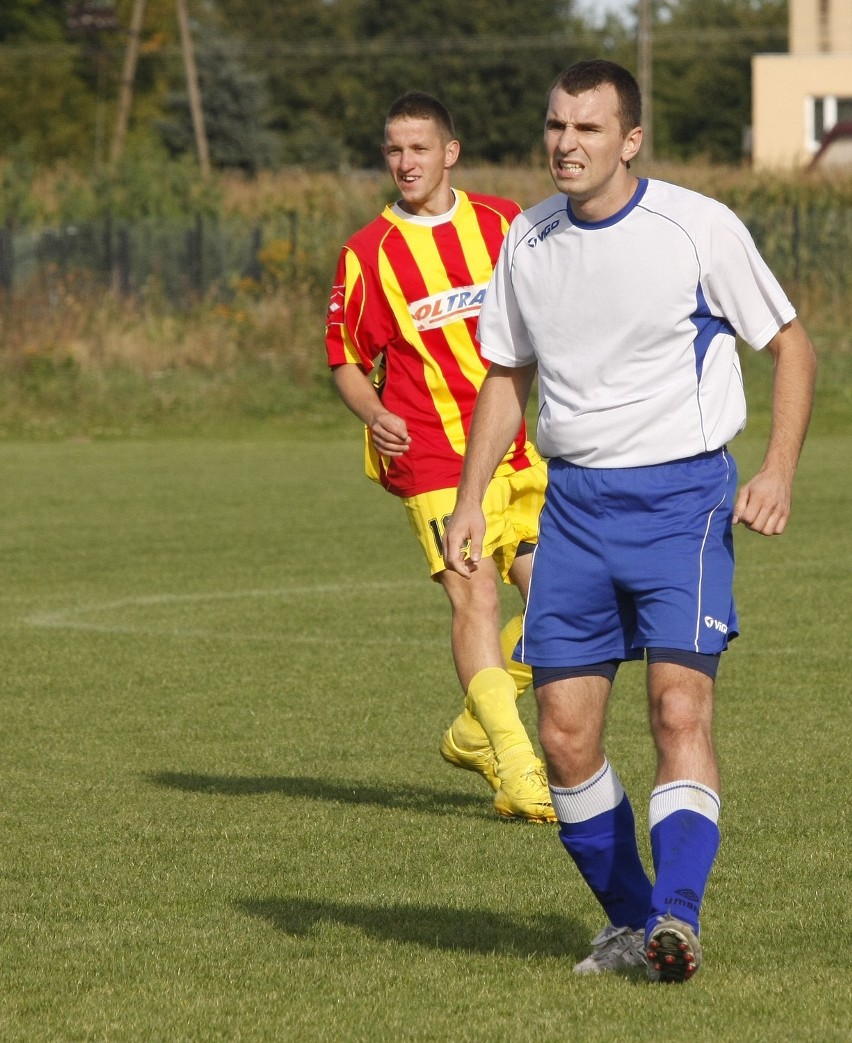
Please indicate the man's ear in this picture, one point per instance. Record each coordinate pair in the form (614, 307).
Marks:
(452, 153)
(632, 144)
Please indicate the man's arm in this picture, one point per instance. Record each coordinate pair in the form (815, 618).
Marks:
(496, 419)
(389, 431)
(763, 504)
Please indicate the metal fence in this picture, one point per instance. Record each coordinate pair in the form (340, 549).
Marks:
(184, 260)
(808, 248)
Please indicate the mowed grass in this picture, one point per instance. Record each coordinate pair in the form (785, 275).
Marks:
(224, 816)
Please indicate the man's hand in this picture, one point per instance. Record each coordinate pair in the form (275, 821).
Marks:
(763, 504)
(390, 434)
(463, 538)
(389, 431)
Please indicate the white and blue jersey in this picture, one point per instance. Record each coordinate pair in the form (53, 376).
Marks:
(633, 324)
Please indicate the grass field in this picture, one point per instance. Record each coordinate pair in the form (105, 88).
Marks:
(224, 816)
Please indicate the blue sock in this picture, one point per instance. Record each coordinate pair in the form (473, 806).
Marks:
(684, 841)
(602, 844)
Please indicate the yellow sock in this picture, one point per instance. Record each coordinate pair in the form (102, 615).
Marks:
(468, 733)
(491, 699)
(520, 673)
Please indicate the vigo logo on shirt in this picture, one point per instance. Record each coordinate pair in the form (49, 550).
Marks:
(429, 313)
(543, 234)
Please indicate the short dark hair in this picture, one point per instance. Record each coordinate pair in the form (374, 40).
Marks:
(587, 75)
(418, 105)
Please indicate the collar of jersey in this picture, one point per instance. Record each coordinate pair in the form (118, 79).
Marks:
(426, 221)
(619, 215)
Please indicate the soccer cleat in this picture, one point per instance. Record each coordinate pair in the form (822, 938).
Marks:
(673, 950)
(480, 761)
(614, 949)
(525, 795)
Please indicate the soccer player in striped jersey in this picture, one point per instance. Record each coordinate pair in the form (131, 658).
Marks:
(401, 341)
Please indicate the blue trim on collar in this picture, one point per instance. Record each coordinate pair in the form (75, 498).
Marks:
(641, 188)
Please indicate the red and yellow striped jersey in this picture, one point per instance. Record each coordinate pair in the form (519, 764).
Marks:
(406, 297)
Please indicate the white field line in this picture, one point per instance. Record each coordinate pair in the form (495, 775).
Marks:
(75, 617)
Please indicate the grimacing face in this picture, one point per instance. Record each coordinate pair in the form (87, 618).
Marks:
(419, 159)
(587, 151)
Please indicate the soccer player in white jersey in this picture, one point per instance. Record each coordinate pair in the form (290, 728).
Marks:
(626, 295)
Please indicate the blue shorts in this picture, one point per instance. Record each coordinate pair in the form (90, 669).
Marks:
(632, 558)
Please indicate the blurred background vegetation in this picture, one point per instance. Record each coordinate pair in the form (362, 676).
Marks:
(308, 81)
(139, 295)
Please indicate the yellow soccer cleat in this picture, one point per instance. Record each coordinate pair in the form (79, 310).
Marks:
(525, 795)
(480, 760)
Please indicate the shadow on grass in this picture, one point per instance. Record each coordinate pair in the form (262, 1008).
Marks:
(431, 926)
(405, 797)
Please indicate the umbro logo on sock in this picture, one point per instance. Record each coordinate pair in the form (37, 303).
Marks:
(686, 896)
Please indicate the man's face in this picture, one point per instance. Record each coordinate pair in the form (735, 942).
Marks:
(587, 150)
(419, 160)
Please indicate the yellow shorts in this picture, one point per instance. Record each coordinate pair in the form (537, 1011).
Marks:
(512, 505)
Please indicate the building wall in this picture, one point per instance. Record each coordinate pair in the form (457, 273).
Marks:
(820, 26)
(819, 65)
(781, 87)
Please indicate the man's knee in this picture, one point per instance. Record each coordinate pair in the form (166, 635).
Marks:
(681, 704)
(477, 595)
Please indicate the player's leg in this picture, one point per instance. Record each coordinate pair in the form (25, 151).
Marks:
(683, 815)
(596, 822)
(465, 744)
(685, 618)
(513, 506)
(577, 629)
(515, 555)
(490, 718)
(510, 635)
(491, 693)
(519, 574)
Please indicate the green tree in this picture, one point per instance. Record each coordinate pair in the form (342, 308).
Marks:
(341, 63)
(32, 20)
(702, 72)
(235, 105)
(59, 85)
(41, 95)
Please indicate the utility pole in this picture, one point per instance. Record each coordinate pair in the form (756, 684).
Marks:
(129, 75)
(646, 84)
(192, 88)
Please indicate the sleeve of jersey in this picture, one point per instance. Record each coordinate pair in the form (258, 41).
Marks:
(345, 325)
(739, 285)
(501, 332)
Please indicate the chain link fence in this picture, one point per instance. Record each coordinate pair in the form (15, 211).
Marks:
(184, 261)
(807, 246)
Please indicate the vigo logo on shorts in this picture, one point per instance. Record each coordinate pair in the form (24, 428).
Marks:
(715, 624)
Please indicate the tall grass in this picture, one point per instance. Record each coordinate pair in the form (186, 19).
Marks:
(78, 357)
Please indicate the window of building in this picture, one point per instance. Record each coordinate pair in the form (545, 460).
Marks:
(823, 114)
